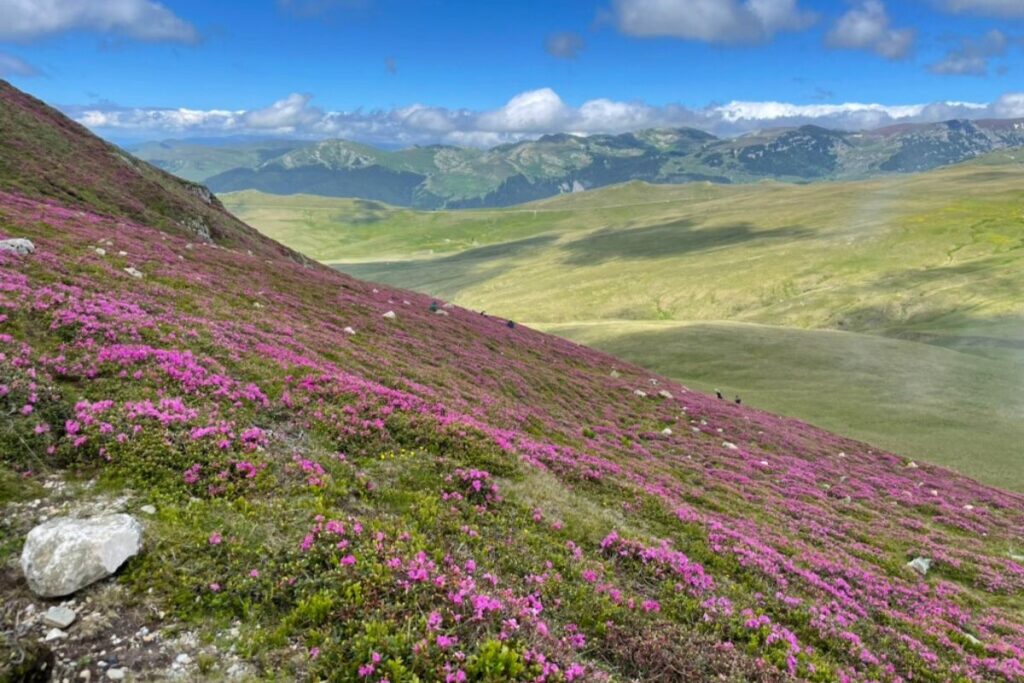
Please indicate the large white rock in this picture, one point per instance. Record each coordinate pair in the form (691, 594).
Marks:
(921, 565)
(66, 554)
(18, 245)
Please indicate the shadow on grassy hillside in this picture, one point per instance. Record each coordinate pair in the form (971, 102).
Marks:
(448, 275)
(677, 238)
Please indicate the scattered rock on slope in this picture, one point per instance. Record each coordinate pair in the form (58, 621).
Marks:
(18, 246)
(66, 554)
(921, 565)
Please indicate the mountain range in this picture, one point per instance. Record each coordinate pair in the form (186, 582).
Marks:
(441, 176)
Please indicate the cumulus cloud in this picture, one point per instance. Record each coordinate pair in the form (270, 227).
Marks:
(14, 66)
(565, 45)
(524, 116)
(710, 21)
(971, 57)
(866, 26)
(285, 116)
(990, 8)
(535, 111)
(25, 20)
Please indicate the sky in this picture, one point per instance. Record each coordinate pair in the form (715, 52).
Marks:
(482, 72)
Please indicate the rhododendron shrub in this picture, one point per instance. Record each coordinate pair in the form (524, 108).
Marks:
(447, 498)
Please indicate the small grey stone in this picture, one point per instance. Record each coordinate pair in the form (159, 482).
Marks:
(183, 659)
(390, 315)
(148, 509)
(55, 634)
(133, 272)
(116, 674)
(349, 330)
(61, 617)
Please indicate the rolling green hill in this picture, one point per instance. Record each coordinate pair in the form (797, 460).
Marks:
(441, 176)
(840, 285)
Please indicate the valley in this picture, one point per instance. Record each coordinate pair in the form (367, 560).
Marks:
(899, 299)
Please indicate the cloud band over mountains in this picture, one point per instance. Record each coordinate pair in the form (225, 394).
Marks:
(528, 114)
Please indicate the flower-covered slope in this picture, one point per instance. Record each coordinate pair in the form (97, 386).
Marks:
(45, 154)
(439, 495)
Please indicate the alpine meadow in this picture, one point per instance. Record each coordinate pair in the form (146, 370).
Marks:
(611, 341)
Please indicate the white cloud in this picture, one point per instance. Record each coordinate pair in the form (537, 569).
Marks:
(527, 115)
(867, 27)
(146, 20)
(285, 116)
(534, 111)
(14, 66)
(971, 57)
(992, 8)
(711, 21)
(1009, 106)
(565, 45)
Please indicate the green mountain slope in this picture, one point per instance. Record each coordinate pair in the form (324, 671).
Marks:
(198, 160)
(338, 481)
(442, 176)
(932, 258)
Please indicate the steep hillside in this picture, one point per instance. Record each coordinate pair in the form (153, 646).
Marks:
(449, 177)
(47, 155)
(441, 496)
(929, 258)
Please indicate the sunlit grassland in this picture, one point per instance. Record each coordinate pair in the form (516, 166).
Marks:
(890, 309)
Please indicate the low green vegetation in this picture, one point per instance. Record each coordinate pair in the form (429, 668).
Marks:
(890, 310)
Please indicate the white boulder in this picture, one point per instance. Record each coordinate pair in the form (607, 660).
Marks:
(66, 554)
(921, 565)
(390, 315)
(18, 245)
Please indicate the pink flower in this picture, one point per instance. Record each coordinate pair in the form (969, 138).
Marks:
(255, 573)
(215, 538)
(651, 606)
(215, 587)
(348, 560)
(314, 652)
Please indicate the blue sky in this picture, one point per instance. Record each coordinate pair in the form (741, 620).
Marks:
(402, 71)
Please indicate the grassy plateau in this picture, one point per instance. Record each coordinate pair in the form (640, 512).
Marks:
(891, 310)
